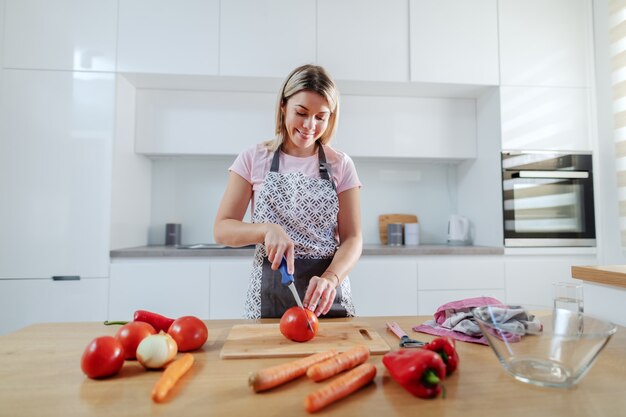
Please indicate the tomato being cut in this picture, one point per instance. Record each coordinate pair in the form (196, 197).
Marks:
(189, 332)
(131, 334)
(104, 356)
(293, 324)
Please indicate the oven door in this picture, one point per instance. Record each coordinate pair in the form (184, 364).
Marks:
(548, 208)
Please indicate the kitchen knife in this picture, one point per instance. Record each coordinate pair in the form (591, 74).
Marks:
(288, 281)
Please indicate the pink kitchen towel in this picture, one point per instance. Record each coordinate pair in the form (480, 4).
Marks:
(455, 320)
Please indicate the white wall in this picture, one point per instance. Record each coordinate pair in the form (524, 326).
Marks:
(609, 249)
(188, 191)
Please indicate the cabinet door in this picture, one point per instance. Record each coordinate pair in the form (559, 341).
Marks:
(364, 39)
(44, 300)
(444, 279)
(529, 278)
(266, 38)
(407, 127)
(56, 133)
(454, 41)
(168, 37)
(229, 284)
(173, 288)
(545, 42)
(201, 122)
(384, 287)
(60, 35)
(544, 118)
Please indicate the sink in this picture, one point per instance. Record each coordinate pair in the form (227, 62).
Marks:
(212, 246)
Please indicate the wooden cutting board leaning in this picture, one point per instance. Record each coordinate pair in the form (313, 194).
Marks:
(385, 219)
(266, 340)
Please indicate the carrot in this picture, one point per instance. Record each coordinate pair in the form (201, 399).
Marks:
(340, 387)
(346, 360)
(170, 376)
(276, 375)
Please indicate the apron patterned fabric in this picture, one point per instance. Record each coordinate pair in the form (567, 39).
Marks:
(307, 209)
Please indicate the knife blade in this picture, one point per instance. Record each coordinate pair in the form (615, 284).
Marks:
(288, 281)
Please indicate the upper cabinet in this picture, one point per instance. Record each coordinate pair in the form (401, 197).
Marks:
(364, 39)
(266, 38)
(60, 35)
(168, 37)
(545, 43)
(454, 41)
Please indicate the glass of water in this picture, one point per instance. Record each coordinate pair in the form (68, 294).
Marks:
(568, 296)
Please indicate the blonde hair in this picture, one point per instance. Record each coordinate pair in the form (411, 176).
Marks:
(310, 78)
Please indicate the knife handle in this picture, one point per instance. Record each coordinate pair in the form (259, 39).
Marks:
(287, 278)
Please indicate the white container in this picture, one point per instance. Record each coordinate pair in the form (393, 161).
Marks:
(411, 234)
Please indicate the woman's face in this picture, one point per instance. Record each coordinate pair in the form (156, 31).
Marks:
(306, 117)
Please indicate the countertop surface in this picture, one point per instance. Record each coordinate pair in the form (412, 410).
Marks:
(609, 274)
(368, 250)
(40, 376)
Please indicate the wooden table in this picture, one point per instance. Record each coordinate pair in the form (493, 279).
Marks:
(40, 376)
(608, 274)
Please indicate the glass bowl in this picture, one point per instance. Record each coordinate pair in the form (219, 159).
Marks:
(558, 356)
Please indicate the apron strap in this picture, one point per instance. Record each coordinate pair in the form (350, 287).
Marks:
(325, 171)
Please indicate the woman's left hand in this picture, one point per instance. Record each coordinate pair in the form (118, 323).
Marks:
(320, 295)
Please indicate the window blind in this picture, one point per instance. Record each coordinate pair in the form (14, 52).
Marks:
(617, 38)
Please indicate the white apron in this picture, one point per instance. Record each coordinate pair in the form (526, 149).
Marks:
(307, 209)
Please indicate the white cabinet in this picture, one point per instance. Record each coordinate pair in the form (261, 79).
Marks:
(545, 118)
(266, 38)
(443, 279)
(454, 41)
(202, 122)
(364, 39)
(60, 35)
(529, 278)
(28, 301)
(168, 37)
(373, 126)
(383, 286)
(229, 285)
(545, 42)
(56, 133)
(173, 288)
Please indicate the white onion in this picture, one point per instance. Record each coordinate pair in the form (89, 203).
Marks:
(156, 350)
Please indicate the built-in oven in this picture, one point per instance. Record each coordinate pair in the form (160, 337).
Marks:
(548, 199)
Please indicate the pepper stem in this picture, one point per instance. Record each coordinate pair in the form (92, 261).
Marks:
(430, 378)
(109, 323)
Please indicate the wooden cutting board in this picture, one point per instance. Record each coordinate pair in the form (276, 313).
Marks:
(385, 219)
(266, 340)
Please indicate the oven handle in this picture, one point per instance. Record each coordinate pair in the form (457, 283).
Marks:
(552, 174)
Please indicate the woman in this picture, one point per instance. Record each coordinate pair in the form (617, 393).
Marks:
(305, 200)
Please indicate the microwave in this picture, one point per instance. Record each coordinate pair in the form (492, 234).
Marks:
(548, 199)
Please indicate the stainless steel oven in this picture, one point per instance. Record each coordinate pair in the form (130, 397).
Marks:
(548, 199)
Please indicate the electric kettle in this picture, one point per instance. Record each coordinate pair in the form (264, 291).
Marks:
(459, 230)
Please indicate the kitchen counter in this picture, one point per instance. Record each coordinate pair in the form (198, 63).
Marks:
(609, 275)
(40, 375)
(368, 250)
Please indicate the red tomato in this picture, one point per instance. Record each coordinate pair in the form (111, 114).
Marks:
(293, 324)
(131, 334)
(104, 356)
(189, 332)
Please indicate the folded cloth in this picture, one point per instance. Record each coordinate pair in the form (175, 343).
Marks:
(456, 320)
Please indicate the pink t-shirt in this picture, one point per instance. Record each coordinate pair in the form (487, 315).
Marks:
(254, 163)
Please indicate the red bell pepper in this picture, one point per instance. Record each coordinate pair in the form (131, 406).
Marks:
(445, 347)
(418, 371)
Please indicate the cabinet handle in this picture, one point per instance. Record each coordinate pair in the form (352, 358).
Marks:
(66, 277)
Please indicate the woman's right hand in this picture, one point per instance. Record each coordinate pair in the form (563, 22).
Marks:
(278, 244)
